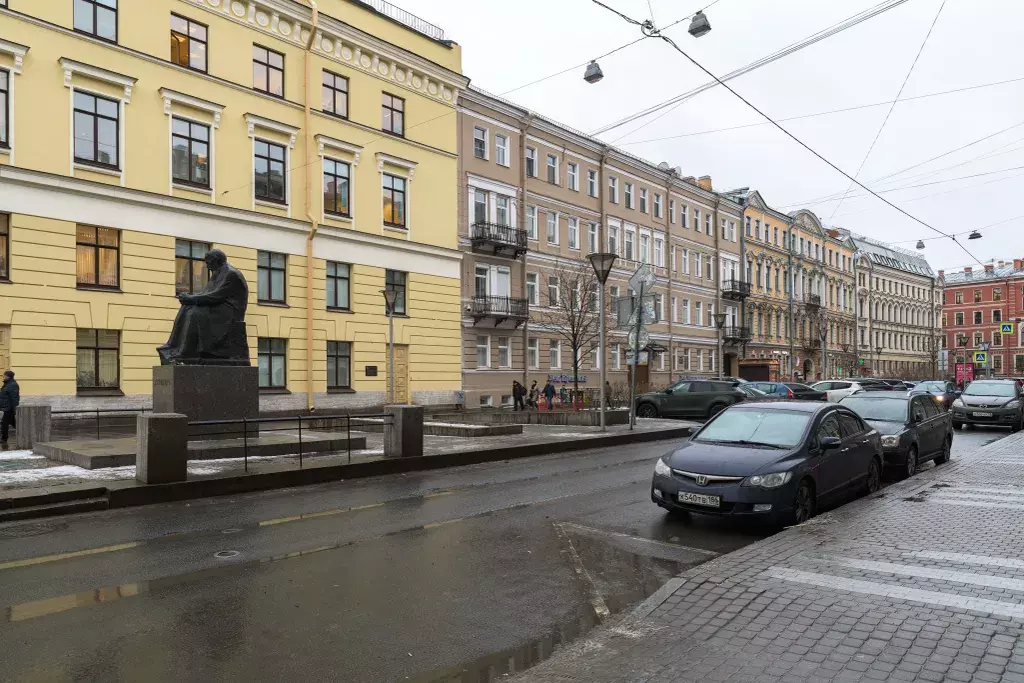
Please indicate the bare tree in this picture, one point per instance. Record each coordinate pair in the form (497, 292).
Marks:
(571, 311)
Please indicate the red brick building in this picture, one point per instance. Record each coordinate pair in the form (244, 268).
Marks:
(975, 303)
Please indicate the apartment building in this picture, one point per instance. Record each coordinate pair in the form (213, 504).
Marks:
(537, 198)
(975, 305)
(137, 135)
(899, 304)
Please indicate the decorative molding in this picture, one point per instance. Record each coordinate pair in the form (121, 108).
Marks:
(175, 97)
(383, 158)
(72, 68)
(16, 50)
(326, 142)
(253, 122)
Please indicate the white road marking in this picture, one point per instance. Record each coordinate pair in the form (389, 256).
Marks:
(932, 573)
(977, 504)
(994, 497)
(1016, 492)
(600, 607)
(1008, 609)
(639, 539)
(967, 558)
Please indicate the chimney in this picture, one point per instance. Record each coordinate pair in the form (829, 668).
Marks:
(968, 270)
(942, 274)
(1001, 263)
(989, 268)
(1017, 264)
(704, 182)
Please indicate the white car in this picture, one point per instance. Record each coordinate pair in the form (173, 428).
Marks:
(837, 389)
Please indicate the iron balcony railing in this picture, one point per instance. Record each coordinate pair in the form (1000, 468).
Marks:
(736, 289)
(408, 18)
(499, 306)
(496, 233)
(812, 299)
(737, 333)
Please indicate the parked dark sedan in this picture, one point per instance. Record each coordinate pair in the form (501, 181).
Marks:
(693, 398)
(944, 392)
(914, 428)
(990, 402)
(793, 390)
(771, 460)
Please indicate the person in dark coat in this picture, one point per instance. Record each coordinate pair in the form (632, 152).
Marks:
(533, 399)
(518, 391)
(10, 397)
(549, 394)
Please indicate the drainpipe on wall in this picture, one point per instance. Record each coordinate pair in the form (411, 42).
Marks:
(521, 220)
(314, 224)
(716, 270)
(671, 250)
(790, 364)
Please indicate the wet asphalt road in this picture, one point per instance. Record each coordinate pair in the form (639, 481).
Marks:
(457, 575)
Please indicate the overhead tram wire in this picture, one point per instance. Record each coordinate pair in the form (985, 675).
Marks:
(903, 85)
(648, 29)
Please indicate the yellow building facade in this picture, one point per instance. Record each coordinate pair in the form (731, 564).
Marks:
(316, 147)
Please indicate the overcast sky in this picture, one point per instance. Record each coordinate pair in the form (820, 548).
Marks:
(975, 42)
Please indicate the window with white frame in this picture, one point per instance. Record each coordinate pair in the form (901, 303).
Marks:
(504, 353)
(481, 276)
(700, 360)
(659, 251)
(553, 289)
(483, 351)
(629, 244)
(479, 142)
(645, 248)
(661, 362)
(616, 357)
(697, 264)
(672, 211)
(698, 313)
(696, 219)
(574, 232)
(573, 173)
(643, 200)
(501, 209)
(533, 353)
(552, 227)
(595, 358)
(629, 195)
(710, 265)
(479, 206)
(613, 240)
(531, 222)
(672, 252)
(675, 310)
(555, 354)
(708, 228)
(532, 289)
(592, 238)
(613, 190)
(501, 149)
(711, 315)
(685, 261)
(657, 205)
(552, 169)
(659, 307)
(592, 183)
(531, 162)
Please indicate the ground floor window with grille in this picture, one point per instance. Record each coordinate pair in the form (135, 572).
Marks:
(272, 356)
(339, 365)
(98, 364)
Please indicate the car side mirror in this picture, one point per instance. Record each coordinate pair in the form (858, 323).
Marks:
(918, 417)
(668, 391)
(830, 443)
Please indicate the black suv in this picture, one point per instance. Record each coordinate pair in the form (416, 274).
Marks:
(990, 402)
(693, 398)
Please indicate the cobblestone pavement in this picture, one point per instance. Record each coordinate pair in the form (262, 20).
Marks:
(921, 582)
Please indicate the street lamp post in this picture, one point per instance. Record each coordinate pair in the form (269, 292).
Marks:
(878, 360)
(390, 297)
(602, 264)
(823, 334)
(720, 323)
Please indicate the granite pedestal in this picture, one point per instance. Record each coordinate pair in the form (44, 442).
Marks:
(162, 448)
(208, 392)
(33, 426)
(403, 432)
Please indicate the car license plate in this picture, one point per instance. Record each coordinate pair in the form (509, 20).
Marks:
(982, 414)
(700, 499)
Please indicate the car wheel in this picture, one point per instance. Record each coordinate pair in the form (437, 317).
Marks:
(874, 479)
(947, 449)
(715, 410)
(805, 504)
(910, 464)
(646, 410)
(1018, 425)
(958, 425)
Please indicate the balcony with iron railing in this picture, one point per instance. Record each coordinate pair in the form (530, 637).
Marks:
(735, 290)
(498, 239)
(496, 310)
(812, 300)
(408, 19)
(736, 334)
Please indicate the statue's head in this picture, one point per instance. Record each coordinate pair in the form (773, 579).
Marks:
(215, 258)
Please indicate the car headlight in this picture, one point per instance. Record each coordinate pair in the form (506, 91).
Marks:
(662, 469)
(1012, 405)
(768, 481)
(891, 441)
(958, 403)
(940, 398)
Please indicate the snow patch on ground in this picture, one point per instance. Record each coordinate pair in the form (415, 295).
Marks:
(20, 455)
(65, 472)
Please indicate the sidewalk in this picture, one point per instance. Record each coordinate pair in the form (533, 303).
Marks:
(923, 581)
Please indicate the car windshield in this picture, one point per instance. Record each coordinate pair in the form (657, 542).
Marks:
(990, 389)
(751, 391)
(782, 428)
(885, 409)
(931, 386)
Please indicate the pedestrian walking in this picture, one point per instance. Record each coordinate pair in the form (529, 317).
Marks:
(549, 394)
(534, 398)
(608, 394)
(518, 391)
(10, 397)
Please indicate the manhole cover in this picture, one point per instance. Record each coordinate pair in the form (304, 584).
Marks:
(37, 529)
(225, 554)
(231, 531)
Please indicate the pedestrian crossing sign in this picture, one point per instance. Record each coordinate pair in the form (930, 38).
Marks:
(1006, 328)
(980, 358)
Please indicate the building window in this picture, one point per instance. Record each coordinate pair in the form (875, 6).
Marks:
(188, 43)
(977, 296)
(268, 159)
(271, 271)
(613, 190)
(555, 354)
(396, 280)
(501, 215)
(574, 232)
(532, 290)
(997, 316)
(479, 206)
(501, 149)
(334, 94)
(997, 339)
(479, 142)
(190, 270)
(483, 351)
(5, 247)
(643, 200)
(97, 17)
(997, 294)
(394, 201)
(977, 317)
(552, 290)
(267, 71)
(487, 401)
(533, 353)
(573, 171)
(97, 256)
(336, 188)
(531, 162)
(672, 211)
(504, 353)
(552, 227)
(592, 183)
(629, 195)
(190, 152)
(97, 120)
(273, 363)
(613, 240)
(616, 357)
(552, 169)
(392, 114)
(5, 116)
(98, 359)
(657, 206)
(592, 238)
(338, 285)
(531, 222)
(959, 297)
(339, 365)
